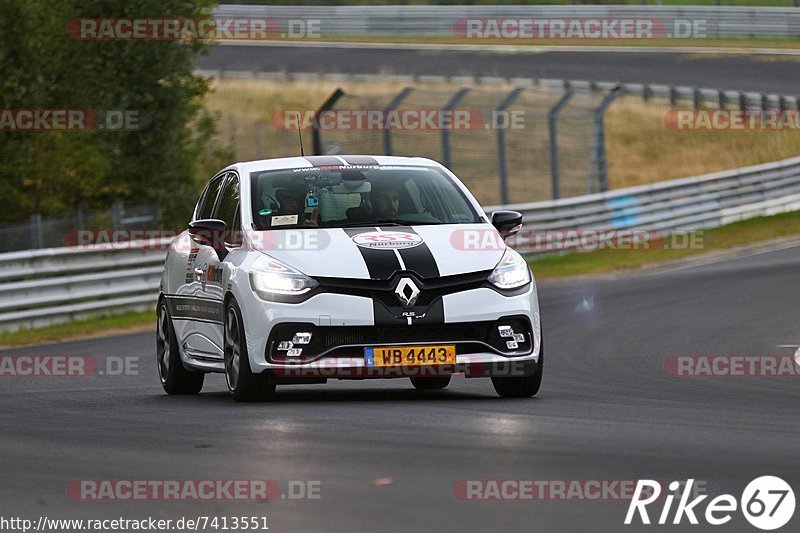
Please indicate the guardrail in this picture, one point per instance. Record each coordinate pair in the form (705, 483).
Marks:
(54, 285)
(686, 204)
(440, 21)
(48, 286)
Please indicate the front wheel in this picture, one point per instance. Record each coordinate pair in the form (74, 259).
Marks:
(174, 377)
(244, 385)
(524, 386)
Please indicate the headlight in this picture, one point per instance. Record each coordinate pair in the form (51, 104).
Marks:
(276, 278)
(511, 272)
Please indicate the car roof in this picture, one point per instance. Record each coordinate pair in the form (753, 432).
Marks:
(288, 163)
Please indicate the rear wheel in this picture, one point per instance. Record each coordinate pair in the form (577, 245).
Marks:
(430, 383)
(524, 386)
(175, 378)
(244, 385)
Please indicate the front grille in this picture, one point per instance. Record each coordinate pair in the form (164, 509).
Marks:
(349, 341)
(383, 290)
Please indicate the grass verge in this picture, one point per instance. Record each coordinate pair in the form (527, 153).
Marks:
(130, 322)
(718, 239)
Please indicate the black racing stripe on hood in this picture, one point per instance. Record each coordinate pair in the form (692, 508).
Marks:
(381, 264)
(419, 259)
(359, 160)
(323, 161)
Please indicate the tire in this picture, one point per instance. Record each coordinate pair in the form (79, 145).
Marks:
(521, 387)
(244, 385)
(175, 378)
(430, 383)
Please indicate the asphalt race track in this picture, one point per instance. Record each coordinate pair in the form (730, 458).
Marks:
(387, 457)
(760, 73)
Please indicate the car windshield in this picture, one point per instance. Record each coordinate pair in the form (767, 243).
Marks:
(357, 195)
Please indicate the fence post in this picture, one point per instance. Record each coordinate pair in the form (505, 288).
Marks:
(116, 212)
(501, 144)
(445, 131)
(315, 131)
(552, 117)
(599, 166)
(387, 133)
(37, 235)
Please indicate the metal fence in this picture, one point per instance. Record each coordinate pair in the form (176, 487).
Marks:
(441, 21)
(42, 287)
(543, 140)
(528, 143)
(40, 232)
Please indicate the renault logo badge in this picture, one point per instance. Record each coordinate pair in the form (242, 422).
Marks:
(407, 292)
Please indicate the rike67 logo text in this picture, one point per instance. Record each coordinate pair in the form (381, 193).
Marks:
(767, 502)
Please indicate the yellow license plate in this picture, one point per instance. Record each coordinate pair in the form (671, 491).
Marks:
(410, 355)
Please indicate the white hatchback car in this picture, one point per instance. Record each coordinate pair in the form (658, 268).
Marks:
(303, 269)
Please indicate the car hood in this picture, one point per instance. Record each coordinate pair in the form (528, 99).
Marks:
(377, 253)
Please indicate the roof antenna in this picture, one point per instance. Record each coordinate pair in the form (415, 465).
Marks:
(300, 134)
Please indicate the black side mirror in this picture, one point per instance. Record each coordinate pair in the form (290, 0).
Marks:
(209, 232)
(507, 222)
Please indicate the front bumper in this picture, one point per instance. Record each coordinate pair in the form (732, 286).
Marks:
(476, 355)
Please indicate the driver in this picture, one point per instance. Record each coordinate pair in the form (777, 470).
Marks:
(291, 201)
(385, 198)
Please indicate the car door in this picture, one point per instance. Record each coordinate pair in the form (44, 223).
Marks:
(215, 273)
(195, 309)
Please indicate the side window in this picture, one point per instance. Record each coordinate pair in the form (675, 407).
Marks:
(228, 210)
(205, 206)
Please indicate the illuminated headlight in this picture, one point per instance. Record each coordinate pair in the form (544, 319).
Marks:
(284, 345)
(519, 337)
(277, 278)
(512, 345)
(294, 352)
(511, 272)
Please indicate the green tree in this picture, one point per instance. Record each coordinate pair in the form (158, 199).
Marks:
(43, 67)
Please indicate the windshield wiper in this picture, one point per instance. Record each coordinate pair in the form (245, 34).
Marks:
(373, 223)
(404, 222)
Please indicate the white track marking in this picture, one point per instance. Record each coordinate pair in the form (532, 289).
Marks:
(726, 258)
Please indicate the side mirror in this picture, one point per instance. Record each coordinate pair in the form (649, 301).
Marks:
(209, 232)
(507, 222)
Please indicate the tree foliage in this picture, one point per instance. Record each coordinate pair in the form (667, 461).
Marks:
(42, 67)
